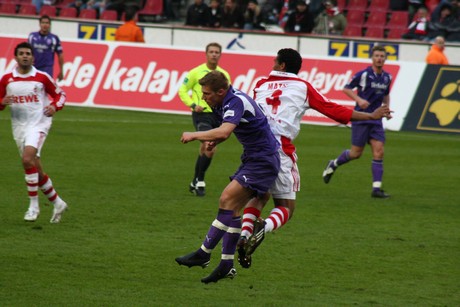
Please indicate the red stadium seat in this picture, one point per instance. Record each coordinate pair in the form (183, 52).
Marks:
(396, 33)
(376, 19)
(379, 6)
(8, 8)
(342, 4)
(48, 10)
(69, 12)
(431, 5)
(375, 32)
(357, 5)
(88, 14)
(151, 9)
(353, 30)
(355, 18)
(398, 19)
(27, 9)
(63, 3)
(109, 15)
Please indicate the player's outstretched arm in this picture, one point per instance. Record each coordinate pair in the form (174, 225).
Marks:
(382, 111)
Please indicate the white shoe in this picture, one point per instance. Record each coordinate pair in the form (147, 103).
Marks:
(31, 215)
(59, 208)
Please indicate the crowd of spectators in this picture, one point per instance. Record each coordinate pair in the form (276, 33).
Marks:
(427, 19)
(442, 21)
(323, 17)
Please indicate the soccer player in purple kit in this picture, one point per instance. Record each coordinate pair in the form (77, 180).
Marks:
(373, 84)
(259, 168)
(45, 45)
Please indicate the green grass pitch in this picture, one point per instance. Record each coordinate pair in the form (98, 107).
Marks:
(125, 175)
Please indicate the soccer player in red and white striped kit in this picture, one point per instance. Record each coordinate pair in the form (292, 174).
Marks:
(26, 89)
(285, 98)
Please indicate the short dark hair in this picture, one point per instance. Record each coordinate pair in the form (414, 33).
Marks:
(22, 45)
(214, 45)
(44, 17)
(291, 59)
(130, 13)
(378, 48)
(216, 80)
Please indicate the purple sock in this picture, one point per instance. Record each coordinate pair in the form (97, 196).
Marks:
(377, 174)
(344, 157)
(218, 228)
(229, 242)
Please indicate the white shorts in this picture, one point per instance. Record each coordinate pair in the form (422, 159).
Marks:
(288, 181)
(29, 137)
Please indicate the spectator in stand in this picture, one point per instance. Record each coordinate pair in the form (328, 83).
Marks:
(197, 14)
(436, 54)
(414, 6)
(301, 20)
(253, 16)
(122, 5)
(39, 3)
(129, 31)
(78, 5)
(441, 20)
(418, 29)
(215, 14)
(98, 5)
(453, 31)
(232, 16)
(271, 10)
(330, 21)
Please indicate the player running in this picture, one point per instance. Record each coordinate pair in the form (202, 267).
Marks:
(26, 91)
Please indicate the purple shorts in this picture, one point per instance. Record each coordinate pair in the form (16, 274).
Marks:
(258, 173)
(361, 134)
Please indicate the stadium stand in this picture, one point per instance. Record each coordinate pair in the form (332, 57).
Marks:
(69, 12)
(356, 5)
(396, 33)
(398, 19)
(379, 6)
(353, 30)
(342, 4)
(49, 10)
(375, 32)
(63, 3)
(355, 18)
(152, 9)
(431, 5)
(8, 8)
(27, 9)
(108, 15)
(88, 14)
(376, 19)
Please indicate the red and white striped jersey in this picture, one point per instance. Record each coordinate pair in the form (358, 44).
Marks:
(31, 93)
(285, 98)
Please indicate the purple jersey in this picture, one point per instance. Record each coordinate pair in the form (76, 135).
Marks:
(372, 87)
(252, 129)
(44, 48)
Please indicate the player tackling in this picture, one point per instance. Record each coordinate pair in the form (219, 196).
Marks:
(26, 89)
(285, 98)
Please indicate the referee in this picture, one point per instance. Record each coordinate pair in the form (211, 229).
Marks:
(202, 115)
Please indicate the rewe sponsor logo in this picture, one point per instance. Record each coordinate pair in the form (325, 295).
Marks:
(25, 99)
